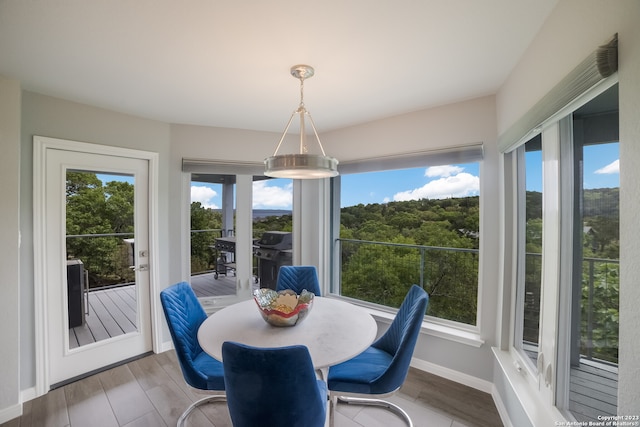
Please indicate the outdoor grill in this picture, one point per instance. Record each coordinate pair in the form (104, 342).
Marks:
(273, 250)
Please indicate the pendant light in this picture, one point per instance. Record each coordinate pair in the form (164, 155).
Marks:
(302, 165)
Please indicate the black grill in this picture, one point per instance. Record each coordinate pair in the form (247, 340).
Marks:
(273, 250)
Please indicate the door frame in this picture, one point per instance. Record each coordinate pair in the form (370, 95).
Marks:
(40, 146)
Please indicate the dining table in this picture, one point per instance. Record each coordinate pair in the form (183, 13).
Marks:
(333, 331)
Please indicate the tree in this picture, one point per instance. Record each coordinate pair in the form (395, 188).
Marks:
(205, 227)
(93, 209)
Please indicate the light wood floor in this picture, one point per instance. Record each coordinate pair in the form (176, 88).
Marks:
(151, 392)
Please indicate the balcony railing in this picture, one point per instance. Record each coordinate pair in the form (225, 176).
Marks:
(381, 273)
(202, 254)
(599, 306)
(107, 257)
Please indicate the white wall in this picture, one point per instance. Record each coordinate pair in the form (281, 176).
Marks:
(573, 30)
(9, 254)
(56, 118)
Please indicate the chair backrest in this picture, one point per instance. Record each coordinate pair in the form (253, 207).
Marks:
(272, 386)
(184, 315)
(400, 339)
(297, 278)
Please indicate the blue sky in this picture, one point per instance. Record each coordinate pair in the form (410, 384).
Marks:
(376, 187)
(601, 169)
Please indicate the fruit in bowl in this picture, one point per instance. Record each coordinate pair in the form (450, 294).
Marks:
(283, 308)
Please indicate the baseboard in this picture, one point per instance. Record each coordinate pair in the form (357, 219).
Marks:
(453, 375)
(500, 406)
(7, 414)
(28, 394)
(166, 346)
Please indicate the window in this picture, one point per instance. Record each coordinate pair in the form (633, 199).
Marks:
(530, 269)
(215, 264)
(403, 226)
(592, 361)
(570, 227)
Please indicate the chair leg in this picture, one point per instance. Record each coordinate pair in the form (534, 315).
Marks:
(194, 405)
(374, 402)
(333, 401)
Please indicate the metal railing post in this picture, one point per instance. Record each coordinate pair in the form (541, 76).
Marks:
(590, 313)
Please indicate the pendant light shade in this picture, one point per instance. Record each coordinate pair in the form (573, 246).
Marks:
(302, 165)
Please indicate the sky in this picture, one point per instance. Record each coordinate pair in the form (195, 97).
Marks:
(601, 167)
(375, 187)
(601, 170)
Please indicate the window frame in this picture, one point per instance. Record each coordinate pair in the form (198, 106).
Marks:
(444, 328)
(548, 381)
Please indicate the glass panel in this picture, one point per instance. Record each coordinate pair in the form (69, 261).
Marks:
(531, 288)
(212, 235)
(412, 226)
(272, 215)
(595, 321)
(213, 259)
(101, 288)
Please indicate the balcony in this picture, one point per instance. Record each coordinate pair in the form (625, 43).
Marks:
(381, 273)
(593, 374)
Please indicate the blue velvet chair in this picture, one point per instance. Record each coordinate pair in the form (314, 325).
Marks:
(184, 316)
(297, 278)
(381, 369)
(275, 387)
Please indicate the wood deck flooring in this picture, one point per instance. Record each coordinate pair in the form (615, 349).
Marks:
(593, 391)
(112, 312)
(205, 285)
(151, 392)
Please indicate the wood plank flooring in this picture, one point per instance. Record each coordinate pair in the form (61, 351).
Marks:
(593, 388)
(205, 285)
(112, 312)
(151, 392)
(593, 391)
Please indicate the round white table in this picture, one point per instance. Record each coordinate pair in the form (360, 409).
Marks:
(334, 331)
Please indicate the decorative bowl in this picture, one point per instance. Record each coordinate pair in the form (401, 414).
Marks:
(283, 308)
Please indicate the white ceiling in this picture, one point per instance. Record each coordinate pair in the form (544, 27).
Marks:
(226, 63)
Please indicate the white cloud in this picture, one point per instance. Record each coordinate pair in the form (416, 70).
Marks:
(442, 171)
(203, 195)
(611, 168)
(459, 185)
(271, 196)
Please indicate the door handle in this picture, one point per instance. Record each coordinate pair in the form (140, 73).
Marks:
(142, 267)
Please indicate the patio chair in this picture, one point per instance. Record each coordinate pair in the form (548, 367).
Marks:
(381, 370)
(184, 316)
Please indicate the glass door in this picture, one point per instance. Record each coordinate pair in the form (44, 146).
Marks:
(97, 268)
(591, 363)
